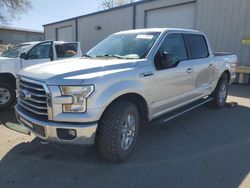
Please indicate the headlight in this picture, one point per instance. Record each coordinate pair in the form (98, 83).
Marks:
(79, 97)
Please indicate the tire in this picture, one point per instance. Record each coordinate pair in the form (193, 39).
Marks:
(220, 93)
(7, 95)
(112, 131)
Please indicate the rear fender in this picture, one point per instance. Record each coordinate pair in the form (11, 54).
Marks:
(224, 68)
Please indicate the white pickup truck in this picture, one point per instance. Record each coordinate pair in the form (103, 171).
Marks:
(28, 54)
(129, 79)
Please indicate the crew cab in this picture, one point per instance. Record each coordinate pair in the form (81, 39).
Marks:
(28, 54)
(126, 81)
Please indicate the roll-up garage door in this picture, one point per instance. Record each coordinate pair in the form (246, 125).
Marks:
(65, 34)
(180, 16)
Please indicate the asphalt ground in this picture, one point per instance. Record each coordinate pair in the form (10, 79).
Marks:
(203, 148)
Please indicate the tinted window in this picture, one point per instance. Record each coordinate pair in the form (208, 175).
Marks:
(173, 45)
(41, 51)
(66, 50)
(197, 45)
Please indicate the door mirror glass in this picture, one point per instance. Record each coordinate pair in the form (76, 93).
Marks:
(23, 56)
(167, 60)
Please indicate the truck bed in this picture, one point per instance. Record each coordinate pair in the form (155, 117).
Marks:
(222, 53)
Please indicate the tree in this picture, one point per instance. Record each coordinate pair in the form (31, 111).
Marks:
(106, 4)
(10, 9)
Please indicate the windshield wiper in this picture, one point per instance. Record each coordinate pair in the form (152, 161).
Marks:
(109, 55)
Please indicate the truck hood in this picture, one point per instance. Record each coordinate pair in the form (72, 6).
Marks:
(75, 71)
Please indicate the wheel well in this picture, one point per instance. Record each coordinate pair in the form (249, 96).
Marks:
(8, 78)
(227, 73)
(139, 101)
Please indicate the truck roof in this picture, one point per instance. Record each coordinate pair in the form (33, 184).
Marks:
(159, 30)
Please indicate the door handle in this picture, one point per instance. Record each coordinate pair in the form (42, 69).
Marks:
(211, 66)
(190, 70)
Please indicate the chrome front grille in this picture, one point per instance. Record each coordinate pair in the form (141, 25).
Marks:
(32, 97)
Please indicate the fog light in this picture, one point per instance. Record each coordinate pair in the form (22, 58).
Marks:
(66, 134)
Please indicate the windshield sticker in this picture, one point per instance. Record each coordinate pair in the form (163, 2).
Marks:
(148, 37)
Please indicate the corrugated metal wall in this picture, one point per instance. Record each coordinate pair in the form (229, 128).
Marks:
(226, 23)
(110, 22)
(182, 16)
(16, 37)
(51, 30)
(141, 9)
(65, 33)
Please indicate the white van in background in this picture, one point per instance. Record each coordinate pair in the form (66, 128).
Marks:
(27, 54)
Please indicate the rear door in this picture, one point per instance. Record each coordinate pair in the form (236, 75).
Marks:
(202, 60)
(40, 53)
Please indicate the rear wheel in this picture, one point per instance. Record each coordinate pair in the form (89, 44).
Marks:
(118, 130)
(220, 93)
(7, 95)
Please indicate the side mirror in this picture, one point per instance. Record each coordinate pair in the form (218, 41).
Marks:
(167, 60)
(23, 56)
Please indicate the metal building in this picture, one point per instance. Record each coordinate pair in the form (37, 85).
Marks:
(226, 23)
(12, 35)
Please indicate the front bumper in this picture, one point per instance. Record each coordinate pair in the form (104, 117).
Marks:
(51, 131)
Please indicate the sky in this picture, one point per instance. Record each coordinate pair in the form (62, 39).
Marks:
(48, 11)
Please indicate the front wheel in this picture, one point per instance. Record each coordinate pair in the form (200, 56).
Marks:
(7, 95)
(220, 93)
(118, 130)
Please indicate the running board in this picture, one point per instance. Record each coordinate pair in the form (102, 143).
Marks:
(173, 114)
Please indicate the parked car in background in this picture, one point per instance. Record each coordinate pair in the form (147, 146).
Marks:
(129, 79)
(28, 54)
(3, 47)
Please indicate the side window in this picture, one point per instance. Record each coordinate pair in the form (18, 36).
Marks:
(171, 52)
(197, 45)
(66, 50)
(41, 51)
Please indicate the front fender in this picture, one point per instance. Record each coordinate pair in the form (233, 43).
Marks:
(10, 65)
(109, 94)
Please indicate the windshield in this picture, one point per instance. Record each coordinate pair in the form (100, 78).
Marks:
(125, 46)
(14, 51)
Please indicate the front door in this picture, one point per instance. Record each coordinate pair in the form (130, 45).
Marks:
(172, 83)
(40, 53)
